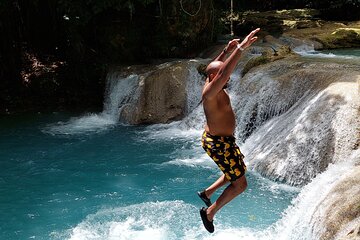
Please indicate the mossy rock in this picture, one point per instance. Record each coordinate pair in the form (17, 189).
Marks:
(268, 55)
(306, 13)
(307, 24)
(341, 38)
(275, 22)
(254, 62)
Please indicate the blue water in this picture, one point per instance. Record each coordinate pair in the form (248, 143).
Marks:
(123, 182)
(343, 52)
(346, 53)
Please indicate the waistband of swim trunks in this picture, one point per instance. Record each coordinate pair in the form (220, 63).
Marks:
(219, 138)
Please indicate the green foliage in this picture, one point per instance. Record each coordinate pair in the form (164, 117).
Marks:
(88, 35)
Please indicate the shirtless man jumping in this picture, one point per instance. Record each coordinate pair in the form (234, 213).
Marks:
(218, 138)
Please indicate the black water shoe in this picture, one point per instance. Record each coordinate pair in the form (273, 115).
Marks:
(207, 224)
(203, 197)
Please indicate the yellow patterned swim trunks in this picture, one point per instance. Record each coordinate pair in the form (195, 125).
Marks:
(226, 154)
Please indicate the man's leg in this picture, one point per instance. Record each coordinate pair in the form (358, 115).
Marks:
(230, 192)
(222, 180)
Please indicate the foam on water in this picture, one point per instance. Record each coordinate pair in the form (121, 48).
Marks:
(174, 130)
(168, 220)
(179, 220)
(326, 55)
(151, 220)
(304, 48)
(308, 51)
(275, 186)
(89, 123)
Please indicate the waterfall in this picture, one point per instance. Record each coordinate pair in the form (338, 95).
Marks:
(194, 86)
(293, 117)
(295, 122)
(300, 126)
(194, 118)
(120, 91)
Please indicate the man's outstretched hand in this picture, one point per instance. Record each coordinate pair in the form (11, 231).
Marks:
(250, 39)
(232, 45)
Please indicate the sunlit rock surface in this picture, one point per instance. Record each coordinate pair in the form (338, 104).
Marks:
(338, 215)
(153, 94)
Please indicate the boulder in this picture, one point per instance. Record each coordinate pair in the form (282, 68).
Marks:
(161, 95)
(272, 50)
(328, 35)
(275, 22)
(338, 215)
(340, 38)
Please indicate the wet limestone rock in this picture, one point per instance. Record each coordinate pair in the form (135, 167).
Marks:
(272, 50)
(329, 35)
(301, 24)
(275, 22)
(338, 215)
(353, 234)
(161, 93)
(340, 38)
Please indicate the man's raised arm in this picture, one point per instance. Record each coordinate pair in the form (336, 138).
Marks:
(229, 65)
(228, 49)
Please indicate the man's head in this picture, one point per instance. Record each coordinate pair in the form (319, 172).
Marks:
(213, 68)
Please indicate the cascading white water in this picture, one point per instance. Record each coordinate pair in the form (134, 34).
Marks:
(193, 89)
(120, 91)
(195, 115)
(297, 219)
(315, 116)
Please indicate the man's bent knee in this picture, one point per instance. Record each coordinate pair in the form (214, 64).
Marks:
(240, 184)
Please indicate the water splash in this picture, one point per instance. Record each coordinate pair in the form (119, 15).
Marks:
(89, 123)
(152, 220)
